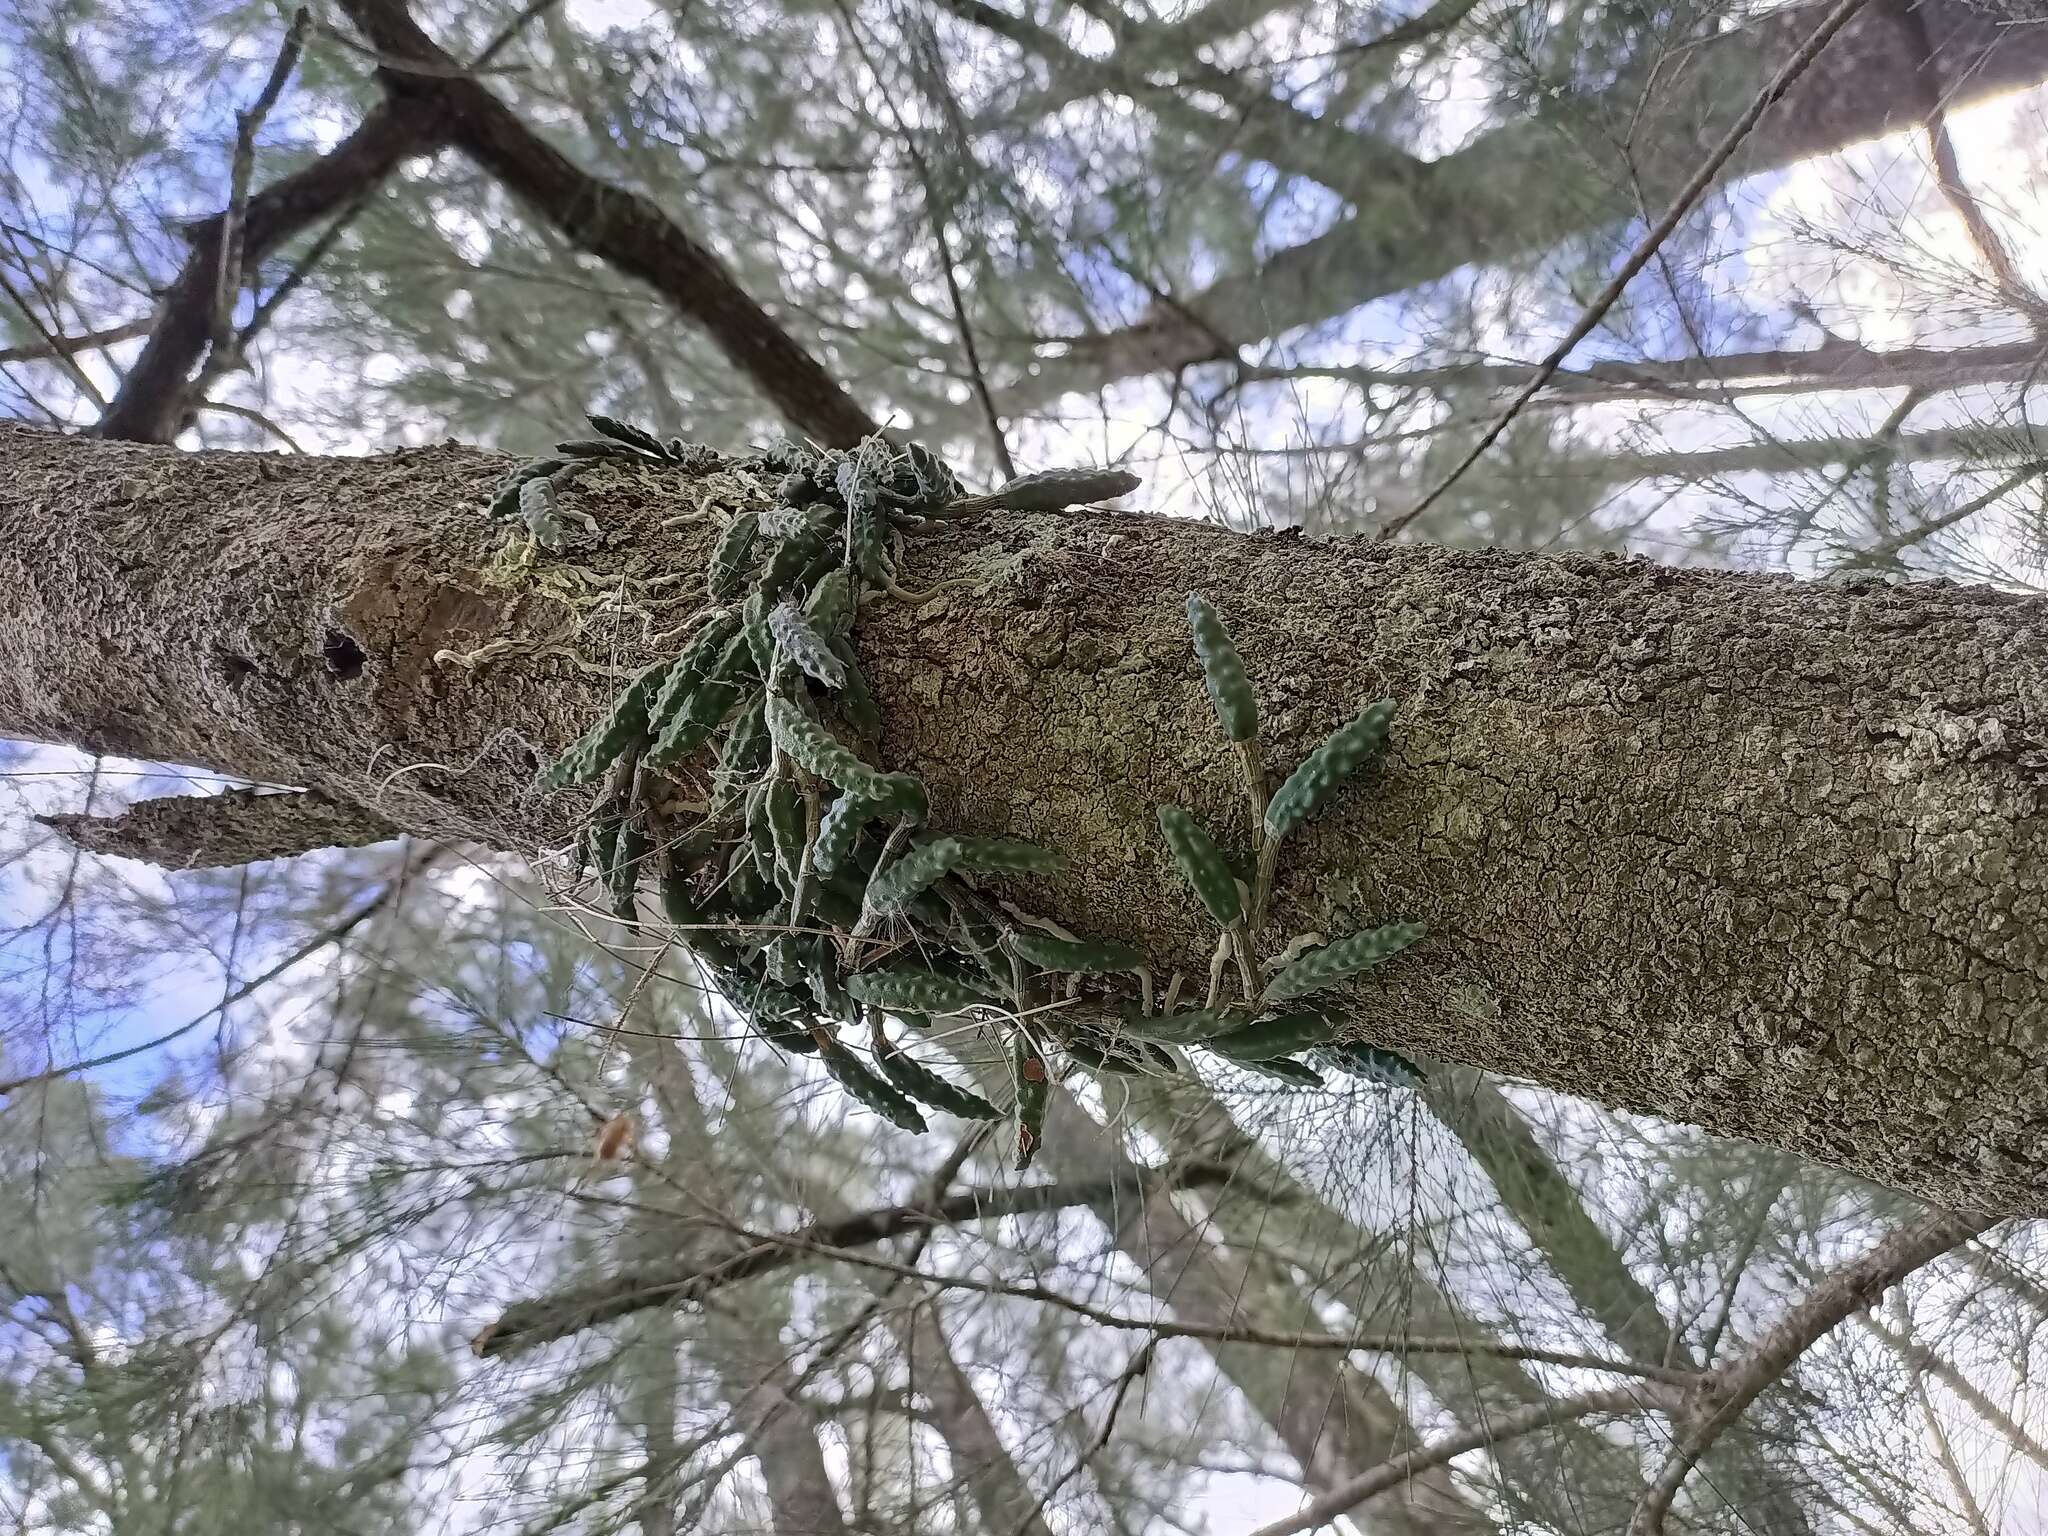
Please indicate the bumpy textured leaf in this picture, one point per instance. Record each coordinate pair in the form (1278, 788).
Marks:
(779, 955)
(1201, 864)
(830, 903)
(920, 1082)
(856, 701)
(747, 890)
(592, 448)
(837, 830)
(1197, 1026)
(1121, 1058)
(601, 840)
(868, 541)
(693, 666)
(775, 1012)
(816, 749)
(1374, 1063)
(1223, 674)
(923, 864)
(899, 796)
(760, 639)
(1034, 1089)
(761, 830)
(854, 1075)
(829, 608)
(627, 433)
(1280, 1035)
(1315, 783)
(802, 644)
(541, 509)
(785, 454)
(785, 812)
(729, 559)
(1097, 956)
(602, 745)
(706, 707)
(786, 565)
(779, 522)
(505, 503)
(1340, 960)
(811, 746)
(743, 756)
(914, 988)
(1284, 1069)
(623, 879)
(931, 479)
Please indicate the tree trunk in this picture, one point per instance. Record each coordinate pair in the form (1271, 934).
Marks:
(1753, 853)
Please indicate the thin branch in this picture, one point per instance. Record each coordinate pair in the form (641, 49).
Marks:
(228, 279)
(1948, 172)
(1843, 13)
(1369, 1343)
(1890, 549)
(1438, 19)
(615, 224)
(400, 64)
(525, 1324)
(936, 213)
(332, 934)
(151, 404)
(62, 347)
(1945, 1453)
(1478, 203)
(1838, 364)
(1631, 1401)
(1921, 1358)
(997, 439)
(53, 343)
(1724, 1395)
(250, 413)
(1127, 1378)
(219, 360)
(507, 33)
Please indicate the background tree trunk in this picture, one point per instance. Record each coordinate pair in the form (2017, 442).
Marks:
(1757, 854)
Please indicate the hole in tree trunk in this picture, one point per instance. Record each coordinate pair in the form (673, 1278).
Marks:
(236, 669)
(343, 656)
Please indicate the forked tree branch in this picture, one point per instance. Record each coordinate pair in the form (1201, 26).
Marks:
(616, 224)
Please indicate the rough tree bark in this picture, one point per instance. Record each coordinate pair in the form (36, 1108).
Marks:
(1761, 855)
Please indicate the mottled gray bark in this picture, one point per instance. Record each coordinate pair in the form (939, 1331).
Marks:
(1757, 854)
